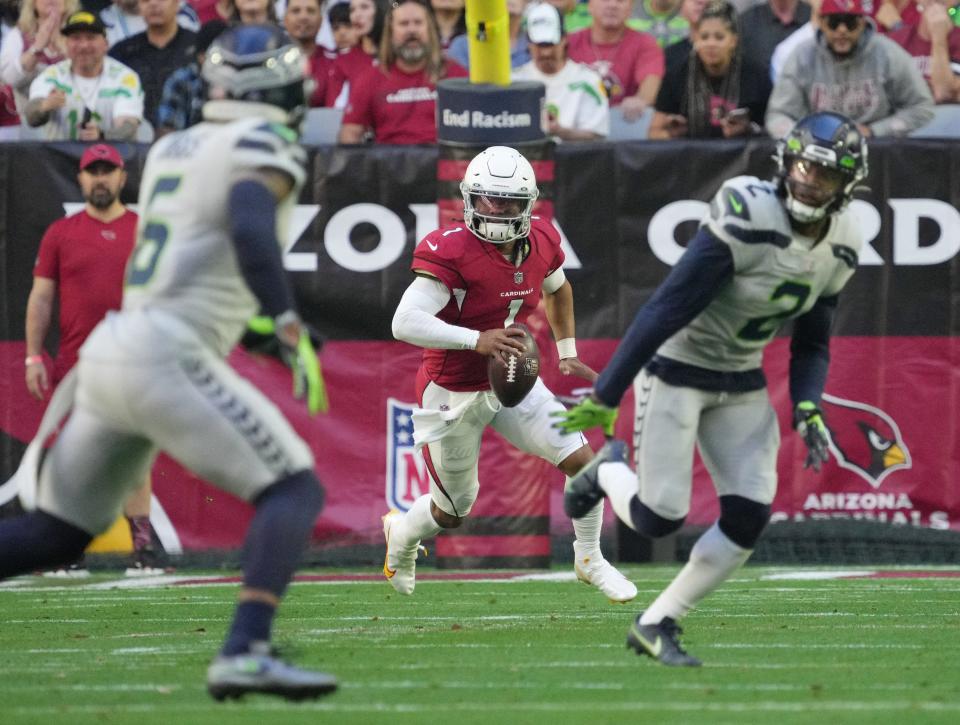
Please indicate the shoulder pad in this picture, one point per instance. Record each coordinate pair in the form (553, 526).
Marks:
(544, 229)
(268, 145)
(845, 237)
(442, 244)
(747, 210)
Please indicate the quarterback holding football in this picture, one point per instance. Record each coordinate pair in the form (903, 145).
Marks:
(473, 283)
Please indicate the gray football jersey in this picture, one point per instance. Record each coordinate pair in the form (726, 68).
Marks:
(184, 265)
(778, 275)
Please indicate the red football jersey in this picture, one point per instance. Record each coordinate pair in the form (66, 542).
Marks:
(86, 258)
(487, 291)
(400, 107)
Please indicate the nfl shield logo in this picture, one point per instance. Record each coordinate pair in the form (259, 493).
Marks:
(407, 475)
(518, 277)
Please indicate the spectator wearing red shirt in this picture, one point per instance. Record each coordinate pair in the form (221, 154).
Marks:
(630, 62)
(208, 10)
(82, 259)
(935, 46)
(302, 20)
(367, 19)
(396, 101)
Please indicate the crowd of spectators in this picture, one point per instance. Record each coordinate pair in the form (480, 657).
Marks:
(689, 68)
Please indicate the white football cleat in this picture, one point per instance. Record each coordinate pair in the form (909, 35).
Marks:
(400, 562)
(600, 573)
(260, 671)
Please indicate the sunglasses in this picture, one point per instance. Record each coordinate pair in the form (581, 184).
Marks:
(850, 20)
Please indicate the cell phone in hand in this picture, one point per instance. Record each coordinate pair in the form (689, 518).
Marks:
(738, 114)
(87, 117)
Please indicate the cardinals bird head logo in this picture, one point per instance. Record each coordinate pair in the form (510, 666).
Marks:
(864, 439)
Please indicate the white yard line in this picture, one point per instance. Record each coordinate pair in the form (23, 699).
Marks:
(487, 707)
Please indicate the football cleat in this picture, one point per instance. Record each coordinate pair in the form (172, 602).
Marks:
(400, 562)
(145, 562)
(600, 573)
(661, 642)
(583, 491)
(259, 671)
(75, 570)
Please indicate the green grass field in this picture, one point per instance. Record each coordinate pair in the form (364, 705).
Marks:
(865, 650)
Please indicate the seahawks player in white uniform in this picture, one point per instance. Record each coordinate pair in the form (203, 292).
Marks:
(766, 252)
(213, 202)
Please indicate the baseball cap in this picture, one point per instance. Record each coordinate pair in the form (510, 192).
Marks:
(83, 21)
(544, 24)
(842, 7)
(101, 152)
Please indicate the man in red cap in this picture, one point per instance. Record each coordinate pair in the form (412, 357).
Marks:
(849, 68)
(82, 259)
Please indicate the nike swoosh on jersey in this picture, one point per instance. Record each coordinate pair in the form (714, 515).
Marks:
(737, 206)
(433, 246)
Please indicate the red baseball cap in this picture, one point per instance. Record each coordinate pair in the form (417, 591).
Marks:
(101, 152)
(842, 7)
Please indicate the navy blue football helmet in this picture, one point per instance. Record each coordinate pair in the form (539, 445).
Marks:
(832, 143)
(258, 64)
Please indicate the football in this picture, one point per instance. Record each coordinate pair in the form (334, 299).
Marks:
(512, 380)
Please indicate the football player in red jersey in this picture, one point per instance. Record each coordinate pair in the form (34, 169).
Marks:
(472, 282)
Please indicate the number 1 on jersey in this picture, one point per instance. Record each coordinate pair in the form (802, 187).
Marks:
(512, 309)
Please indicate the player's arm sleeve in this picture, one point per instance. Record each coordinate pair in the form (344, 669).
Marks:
(253, 227)
(810, 351)
(696, 279)
(415, 320)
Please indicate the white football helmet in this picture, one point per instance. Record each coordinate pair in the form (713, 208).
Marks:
(499, 190)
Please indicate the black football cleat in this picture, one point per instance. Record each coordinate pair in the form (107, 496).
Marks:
(661, 642)
(259, 671)
(583, 491)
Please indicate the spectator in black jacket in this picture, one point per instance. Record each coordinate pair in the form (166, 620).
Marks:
(715, 93)
(157, 52)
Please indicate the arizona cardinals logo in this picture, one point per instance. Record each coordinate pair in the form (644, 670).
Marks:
(865, 439)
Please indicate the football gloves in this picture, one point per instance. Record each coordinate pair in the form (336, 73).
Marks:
(808, 422)
(587, 414)
(301, 358)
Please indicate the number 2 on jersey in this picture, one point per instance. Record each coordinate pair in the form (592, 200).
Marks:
(154, 235)
(763, 328)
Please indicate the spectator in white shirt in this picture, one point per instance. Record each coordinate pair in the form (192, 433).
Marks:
(577, 106)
